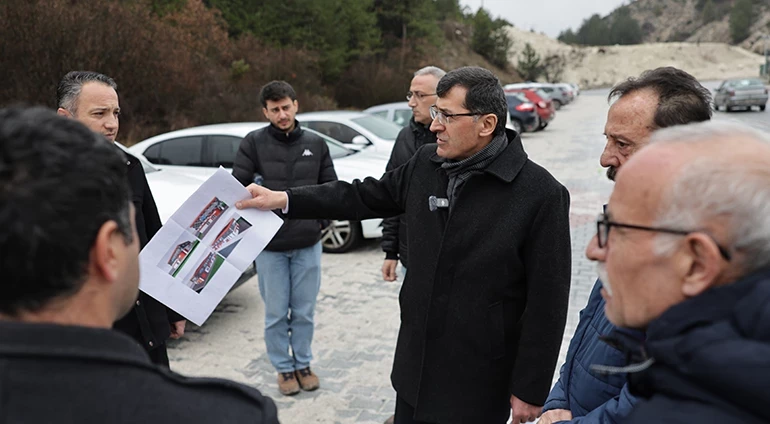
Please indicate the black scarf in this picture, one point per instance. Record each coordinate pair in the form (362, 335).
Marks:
(459, 171)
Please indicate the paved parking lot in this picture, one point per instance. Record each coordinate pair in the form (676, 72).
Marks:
(357, 315)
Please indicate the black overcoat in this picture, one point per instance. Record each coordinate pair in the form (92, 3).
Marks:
(484, 303)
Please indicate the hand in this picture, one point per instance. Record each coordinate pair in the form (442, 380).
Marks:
(389, 269)
(523, 412)
(177, 329)
(555, 415)
(264, 199)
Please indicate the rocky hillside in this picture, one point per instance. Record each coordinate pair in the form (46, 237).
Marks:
(698, 21)
(604, 66)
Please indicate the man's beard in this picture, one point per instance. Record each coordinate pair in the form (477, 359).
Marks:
(611, 172)
(603, 277)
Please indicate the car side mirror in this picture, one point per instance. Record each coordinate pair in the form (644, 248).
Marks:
(360, 140)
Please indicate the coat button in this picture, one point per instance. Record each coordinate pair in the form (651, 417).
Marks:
(138, 303)
(151, 343)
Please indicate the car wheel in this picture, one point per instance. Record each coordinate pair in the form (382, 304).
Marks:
(542, 125)
(761, 108)
(728, 109)
(516, 125)
(341, 236)
(556, 104)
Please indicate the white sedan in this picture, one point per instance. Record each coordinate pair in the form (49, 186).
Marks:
(357, 130)
(197, 152)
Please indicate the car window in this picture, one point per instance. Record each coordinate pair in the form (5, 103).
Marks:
(513, 99)
(402, 116)
(336, 149)
(334, 130)
(381, 113)
(752, 83)
(381, 128)
(184, 151)
(542, 94)
(221, 150)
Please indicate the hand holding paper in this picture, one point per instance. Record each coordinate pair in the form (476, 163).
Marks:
(264, 199)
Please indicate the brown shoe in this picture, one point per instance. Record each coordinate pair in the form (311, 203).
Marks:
(287, 384)
(308, 380)
(390, 420)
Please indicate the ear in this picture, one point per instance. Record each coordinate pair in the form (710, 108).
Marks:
(296, 105)
(264, 111)
(105, 261)
(64, 112)
(705, 264)
(488, 125)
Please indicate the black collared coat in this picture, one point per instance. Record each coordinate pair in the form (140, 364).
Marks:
(484, 303)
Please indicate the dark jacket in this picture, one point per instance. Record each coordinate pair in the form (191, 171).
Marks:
(484, 303)
(712, 358)
(148, 322)
(592, 397)
(411, 138)
(283, 161)
(66, 374)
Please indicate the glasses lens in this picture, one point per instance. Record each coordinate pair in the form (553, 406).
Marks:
(433, 112)
(409, 96)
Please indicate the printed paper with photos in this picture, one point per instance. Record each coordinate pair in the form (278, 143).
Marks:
(202, 250)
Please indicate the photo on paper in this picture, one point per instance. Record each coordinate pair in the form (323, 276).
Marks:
(208, 217)
(204, 272)
(230, 235)
(176, 257)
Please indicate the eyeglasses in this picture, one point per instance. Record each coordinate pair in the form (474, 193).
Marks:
(444, 118)
(419, 95)
(603, 225)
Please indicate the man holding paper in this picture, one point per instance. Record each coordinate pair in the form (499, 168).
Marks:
(484, 304)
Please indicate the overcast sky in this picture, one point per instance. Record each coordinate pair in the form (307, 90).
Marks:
(549, 16)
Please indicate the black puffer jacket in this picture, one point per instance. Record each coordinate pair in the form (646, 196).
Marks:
(408, 141)
(712, 358)
(284, 161)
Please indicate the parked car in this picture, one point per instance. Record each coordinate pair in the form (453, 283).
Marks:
(399, 112)
(542, 102)
(558, 95)
(197, 152)
(741, 93)
(356, 130)
(524, 117)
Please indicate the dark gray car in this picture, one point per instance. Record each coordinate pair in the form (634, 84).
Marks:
(740, 93)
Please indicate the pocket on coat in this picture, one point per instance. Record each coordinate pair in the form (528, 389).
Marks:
(496, 329)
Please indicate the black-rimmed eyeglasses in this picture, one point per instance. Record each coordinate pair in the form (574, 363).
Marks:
(603, 225)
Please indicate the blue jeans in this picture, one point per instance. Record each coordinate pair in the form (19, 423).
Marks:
(289, 282)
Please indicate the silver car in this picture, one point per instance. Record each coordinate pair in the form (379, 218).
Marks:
(740, 93)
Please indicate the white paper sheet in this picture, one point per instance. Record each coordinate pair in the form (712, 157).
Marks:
(202, 250)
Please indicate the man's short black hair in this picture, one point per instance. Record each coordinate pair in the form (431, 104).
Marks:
(485, 94)
(70, 86)
(275, 91)
(59, 183)
(681, 98)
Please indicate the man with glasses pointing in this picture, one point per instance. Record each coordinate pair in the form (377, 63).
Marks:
(484, 304)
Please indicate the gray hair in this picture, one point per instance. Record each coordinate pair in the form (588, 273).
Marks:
(431, 70)
(70, 86)
(712, 187)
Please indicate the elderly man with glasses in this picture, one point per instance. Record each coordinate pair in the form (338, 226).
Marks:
(683, 252)
(484, 303)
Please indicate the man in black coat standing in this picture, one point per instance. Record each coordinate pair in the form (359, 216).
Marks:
(421, 95)
(92, 99)
(484, 303)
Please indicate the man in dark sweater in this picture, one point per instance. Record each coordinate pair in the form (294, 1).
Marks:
(92, 99)
(421, 95)
(281, 156)
(70, 268)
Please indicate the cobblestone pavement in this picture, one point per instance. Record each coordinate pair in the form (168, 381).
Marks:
(357, 315)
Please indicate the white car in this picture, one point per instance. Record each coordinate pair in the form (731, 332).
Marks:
(356, 130)
(399, 112)
(197, 152)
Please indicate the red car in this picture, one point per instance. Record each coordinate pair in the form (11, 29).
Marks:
(545, 108)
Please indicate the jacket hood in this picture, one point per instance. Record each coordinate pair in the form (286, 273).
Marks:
(715, 348)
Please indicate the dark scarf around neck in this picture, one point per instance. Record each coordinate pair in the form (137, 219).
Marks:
(459, 171)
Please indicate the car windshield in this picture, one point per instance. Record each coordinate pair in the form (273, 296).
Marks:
(336, 149)
(379, 127)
